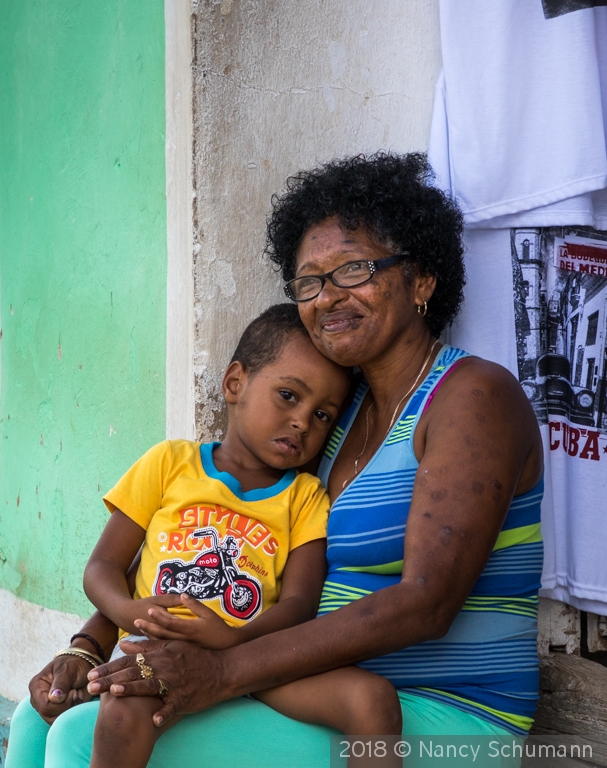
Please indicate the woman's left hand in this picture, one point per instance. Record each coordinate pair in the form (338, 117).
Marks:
(59, 686)
(192, 675)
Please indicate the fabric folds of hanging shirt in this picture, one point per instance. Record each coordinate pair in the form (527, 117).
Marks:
(519, 139)
(520, 116)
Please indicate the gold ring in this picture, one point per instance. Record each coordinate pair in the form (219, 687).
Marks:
(162, 688)
(145, 669)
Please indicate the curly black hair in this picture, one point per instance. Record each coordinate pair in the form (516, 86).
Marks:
(392, 197)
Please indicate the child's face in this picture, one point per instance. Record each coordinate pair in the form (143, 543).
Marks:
(281, 414)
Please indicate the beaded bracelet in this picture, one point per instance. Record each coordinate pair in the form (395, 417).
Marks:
(92, 641)
(93, 659)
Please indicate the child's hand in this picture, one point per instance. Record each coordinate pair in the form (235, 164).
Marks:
(132, 610)
(208, 630)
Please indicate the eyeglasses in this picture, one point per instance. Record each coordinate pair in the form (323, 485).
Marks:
(347, 276)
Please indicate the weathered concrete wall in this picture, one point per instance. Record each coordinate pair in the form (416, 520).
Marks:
(281, 85)
(83, 271)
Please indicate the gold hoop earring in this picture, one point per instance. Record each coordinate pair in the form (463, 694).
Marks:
(419, 309)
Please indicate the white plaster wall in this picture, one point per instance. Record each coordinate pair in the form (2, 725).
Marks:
(281, 85)
(180, 278)
(29, 636)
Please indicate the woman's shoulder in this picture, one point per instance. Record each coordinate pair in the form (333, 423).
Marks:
(485, 403)
(476, 388)
(470, 370)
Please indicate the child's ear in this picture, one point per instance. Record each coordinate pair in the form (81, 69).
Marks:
(233, 379)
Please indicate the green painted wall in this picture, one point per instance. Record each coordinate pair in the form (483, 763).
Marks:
(83, 276)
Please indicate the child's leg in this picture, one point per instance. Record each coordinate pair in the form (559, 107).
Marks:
(351, 700)
(124, 733)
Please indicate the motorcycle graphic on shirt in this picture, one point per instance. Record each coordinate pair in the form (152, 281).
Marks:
(212, 574)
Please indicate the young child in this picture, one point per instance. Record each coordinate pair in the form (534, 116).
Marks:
(238, 534)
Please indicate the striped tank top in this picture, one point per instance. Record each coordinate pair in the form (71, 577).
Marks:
(487, 663)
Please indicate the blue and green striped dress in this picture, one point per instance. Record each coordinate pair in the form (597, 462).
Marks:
(487, 663)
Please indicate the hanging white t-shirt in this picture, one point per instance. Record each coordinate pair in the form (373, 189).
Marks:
(519, 126)
(536, 302)
(518, 137)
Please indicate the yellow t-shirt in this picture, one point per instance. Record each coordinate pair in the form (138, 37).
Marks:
(204, 535)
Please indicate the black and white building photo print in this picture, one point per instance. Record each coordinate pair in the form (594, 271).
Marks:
(560, 299)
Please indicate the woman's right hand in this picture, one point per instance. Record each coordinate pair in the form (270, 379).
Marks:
(194, 676)
(60, 686)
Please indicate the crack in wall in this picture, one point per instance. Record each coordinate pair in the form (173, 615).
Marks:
(302, 91)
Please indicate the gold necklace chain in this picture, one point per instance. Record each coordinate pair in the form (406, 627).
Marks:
(407, 393)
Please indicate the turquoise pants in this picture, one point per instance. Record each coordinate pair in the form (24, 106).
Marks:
(242, 732)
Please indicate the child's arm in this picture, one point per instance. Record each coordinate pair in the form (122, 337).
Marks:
(105, 580)
(302, 582)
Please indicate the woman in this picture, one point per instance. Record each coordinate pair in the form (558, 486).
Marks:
(434, 441)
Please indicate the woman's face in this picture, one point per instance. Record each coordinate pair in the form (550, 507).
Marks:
(357, 326)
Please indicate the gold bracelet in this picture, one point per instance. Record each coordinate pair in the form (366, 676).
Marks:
(92, 658)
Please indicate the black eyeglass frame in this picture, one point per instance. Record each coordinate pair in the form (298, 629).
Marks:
(374, 266)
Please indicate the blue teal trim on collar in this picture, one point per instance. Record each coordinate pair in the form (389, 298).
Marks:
(257, 494)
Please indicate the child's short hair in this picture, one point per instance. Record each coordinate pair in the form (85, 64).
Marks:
(264, 338)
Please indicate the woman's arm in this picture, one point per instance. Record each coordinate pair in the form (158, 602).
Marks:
(478, 445)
